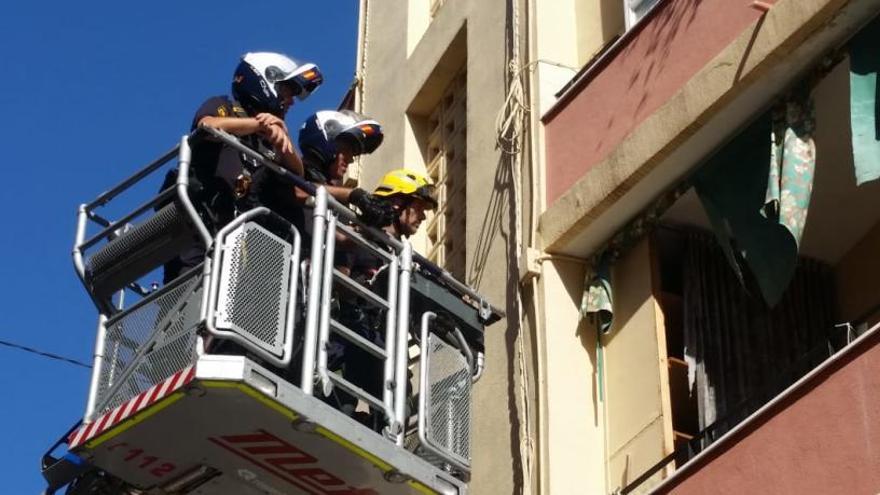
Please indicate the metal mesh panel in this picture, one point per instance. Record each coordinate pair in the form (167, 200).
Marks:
(446, 158)
(159, 364)
(448, 412)
(253, 286)
(162, 330)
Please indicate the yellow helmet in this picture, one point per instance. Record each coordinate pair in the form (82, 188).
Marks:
(405, 182)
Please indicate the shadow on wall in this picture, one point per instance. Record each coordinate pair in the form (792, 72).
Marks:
(502, 203)
(659, 33)
(662, 30)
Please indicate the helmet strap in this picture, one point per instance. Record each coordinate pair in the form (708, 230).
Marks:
(401, 203)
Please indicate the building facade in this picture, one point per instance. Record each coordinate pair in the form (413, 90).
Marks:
(676, 203)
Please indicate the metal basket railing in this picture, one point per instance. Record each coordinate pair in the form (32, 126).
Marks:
(148, 342)
(248, 290)
(254, 277)
(444, 411)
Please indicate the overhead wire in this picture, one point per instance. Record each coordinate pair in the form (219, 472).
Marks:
(44, 354)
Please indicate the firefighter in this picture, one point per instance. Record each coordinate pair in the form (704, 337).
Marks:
(409, 194)
(264, 87)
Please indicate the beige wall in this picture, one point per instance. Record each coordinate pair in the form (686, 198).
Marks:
(403, 75)
(597, 22)
(572, 436)
(539, 425)
(637, 391)
(858, 278)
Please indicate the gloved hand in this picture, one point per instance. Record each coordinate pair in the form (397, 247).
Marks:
(374, 211)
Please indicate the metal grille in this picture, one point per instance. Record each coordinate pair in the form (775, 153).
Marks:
(446, 157)
(253, 286)
(149, 343)
(448, 412)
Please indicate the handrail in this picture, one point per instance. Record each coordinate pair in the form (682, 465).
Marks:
(488, 312)
(401, 347)
(324, 316)
(116, 225)
(310, 337)
(106, 196)
(424, 441)
(86, 213)
(332, 278)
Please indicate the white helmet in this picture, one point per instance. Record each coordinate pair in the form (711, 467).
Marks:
(256, 80)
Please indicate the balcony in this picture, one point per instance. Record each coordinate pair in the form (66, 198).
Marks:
(642, 114)
(634, 77)
(818, 436)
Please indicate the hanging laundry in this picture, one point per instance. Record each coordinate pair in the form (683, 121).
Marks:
(864, 59)
(792, 163)
(598, 299)
(732, 186)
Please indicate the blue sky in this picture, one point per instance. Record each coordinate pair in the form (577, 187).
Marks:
(91, 91)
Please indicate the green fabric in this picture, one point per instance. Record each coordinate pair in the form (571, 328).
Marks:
(600, 367)
(732, 187)
(864, 53)
(792, 164)
(597, 301)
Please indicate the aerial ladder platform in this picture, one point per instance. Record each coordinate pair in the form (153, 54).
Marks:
(220, 381)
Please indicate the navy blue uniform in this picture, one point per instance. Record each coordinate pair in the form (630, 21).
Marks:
(215, 170)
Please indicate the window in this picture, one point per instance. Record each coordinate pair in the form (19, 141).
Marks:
(446, 165)
(634, 10)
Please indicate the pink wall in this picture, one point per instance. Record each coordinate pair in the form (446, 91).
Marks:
(825, 440)
(679, 39)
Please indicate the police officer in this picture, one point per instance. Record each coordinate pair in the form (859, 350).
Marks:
(264, 86)
(329, 141)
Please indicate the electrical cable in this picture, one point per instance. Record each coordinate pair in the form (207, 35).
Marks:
(509, 139)
(44, 354)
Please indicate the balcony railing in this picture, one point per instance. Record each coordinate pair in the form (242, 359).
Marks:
(838, 339)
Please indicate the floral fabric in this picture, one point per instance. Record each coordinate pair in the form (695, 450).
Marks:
(792, 164)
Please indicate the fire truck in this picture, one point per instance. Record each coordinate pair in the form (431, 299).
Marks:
(218, 382)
